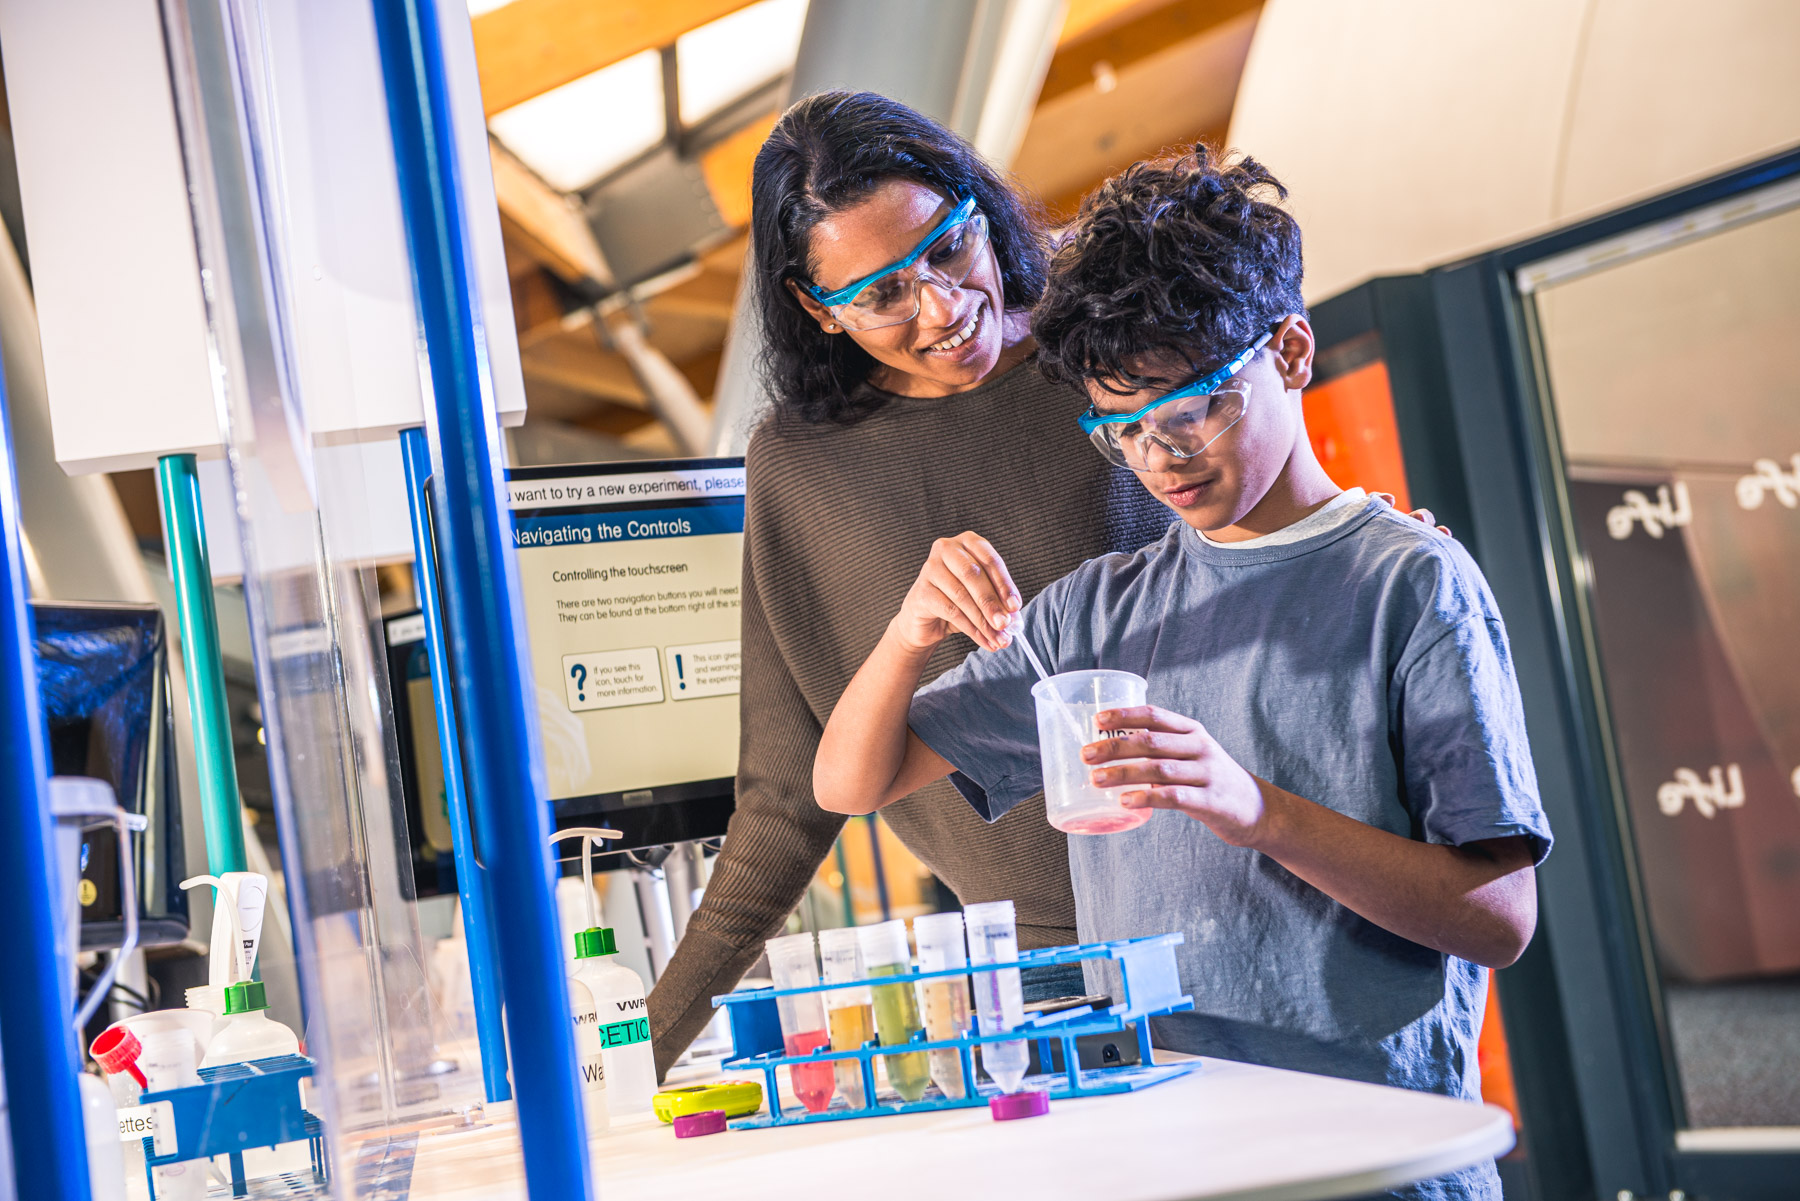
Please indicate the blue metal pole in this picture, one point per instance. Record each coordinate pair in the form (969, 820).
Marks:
(471, 880)
(37, 1033)
(494, 694)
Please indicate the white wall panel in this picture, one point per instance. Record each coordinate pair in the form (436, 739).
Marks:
(112, 244)
(1414, 132)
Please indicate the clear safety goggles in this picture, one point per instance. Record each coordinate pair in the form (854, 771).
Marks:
(947, 256)
(1182, 423)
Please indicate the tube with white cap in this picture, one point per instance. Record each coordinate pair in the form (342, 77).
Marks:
(999, 1002)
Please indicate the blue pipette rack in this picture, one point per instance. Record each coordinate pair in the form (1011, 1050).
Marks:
(238, 1107)
(1149, 987)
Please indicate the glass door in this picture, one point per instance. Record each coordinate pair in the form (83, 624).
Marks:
(1668, 370)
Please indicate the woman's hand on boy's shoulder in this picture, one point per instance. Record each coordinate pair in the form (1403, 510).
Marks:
(1169, 761)
(1421, 515)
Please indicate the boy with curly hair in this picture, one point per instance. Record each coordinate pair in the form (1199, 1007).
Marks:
(1344, 817)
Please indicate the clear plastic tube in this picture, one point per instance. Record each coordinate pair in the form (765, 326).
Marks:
(848, 1013)
(999, 1002)
(792, 963)
(945, 1001)
(896, 1007)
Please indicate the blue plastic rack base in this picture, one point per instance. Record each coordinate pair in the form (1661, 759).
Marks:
(1148, 987)
(239, 1107)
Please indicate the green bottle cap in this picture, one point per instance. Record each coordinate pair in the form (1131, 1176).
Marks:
(595, 941)
(245, 996)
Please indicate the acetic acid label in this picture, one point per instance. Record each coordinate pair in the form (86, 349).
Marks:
(625, 1033)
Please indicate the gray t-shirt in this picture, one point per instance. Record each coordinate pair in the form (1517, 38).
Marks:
(1365, 669)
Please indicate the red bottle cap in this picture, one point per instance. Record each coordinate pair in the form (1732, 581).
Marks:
(693, 1125)
(117, 1050)
(1027, 1103)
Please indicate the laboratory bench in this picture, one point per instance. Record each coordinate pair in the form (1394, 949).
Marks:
(1225, 1131)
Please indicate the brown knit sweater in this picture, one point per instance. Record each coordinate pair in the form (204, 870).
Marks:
(840, 520)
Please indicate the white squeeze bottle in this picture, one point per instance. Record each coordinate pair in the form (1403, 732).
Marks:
(590, 1063)
(247, 1031)
(620, 1018)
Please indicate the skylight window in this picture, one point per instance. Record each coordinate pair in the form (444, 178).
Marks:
(577, 133)
(728, 58)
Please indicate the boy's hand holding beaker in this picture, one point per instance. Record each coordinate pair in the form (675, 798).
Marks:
(1175, 764)
(963, 587)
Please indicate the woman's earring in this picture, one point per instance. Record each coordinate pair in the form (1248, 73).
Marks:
(831, 327)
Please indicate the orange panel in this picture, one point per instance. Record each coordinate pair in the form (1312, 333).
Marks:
(1496, 1064)
(1351, 422)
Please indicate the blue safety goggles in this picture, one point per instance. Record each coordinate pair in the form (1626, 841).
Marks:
(1183, 422)
(849, 295)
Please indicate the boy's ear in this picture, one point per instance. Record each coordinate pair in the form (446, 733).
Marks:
(814, 309)
(1293, 346)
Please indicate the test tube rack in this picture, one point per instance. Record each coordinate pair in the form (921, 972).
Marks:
(236, 1107)
(1149, 987)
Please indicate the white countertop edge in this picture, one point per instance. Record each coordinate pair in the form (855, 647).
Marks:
(1490, 1142)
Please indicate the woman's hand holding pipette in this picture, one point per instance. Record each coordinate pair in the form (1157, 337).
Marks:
(964, 587)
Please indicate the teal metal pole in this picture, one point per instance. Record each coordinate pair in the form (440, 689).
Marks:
(184, 534)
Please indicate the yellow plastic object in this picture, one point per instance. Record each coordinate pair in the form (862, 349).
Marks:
(738, 1098)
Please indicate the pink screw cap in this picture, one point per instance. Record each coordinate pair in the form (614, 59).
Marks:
(693, 1125)
(117, 1050)
(1027, 1103)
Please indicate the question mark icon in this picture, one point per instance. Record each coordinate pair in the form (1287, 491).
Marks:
(579, 672)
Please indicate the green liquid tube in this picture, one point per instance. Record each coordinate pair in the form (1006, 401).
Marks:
(896, 1021)
(896, 1006)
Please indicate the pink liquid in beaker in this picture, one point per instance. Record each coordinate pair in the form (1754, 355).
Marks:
(813, 1082)
(1105, 823)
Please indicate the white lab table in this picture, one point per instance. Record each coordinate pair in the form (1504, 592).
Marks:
(1226, 1131)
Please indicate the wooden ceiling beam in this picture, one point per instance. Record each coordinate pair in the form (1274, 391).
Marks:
(575, 361)
(543, 221)
(1080, 61)
(709, 296)
(528, 47)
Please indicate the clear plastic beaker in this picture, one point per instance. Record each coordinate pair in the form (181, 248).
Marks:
(848, 1015)
(945, 1001)
(999, 1000)
(896, 1006)
(1066, 707)
(793, 965)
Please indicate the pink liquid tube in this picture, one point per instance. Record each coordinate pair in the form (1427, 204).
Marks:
(794, 965)
(813, 1082)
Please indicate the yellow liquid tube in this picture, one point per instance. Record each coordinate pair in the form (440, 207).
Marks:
(851, 1026)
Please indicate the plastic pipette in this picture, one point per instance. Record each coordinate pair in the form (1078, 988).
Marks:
(1017, 630)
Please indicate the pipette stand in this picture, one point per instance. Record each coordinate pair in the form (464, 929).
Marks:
(239, 1107)
(1149, 987)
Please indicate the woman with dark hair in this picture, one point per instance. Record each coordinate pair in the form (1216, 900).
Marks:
(894, 272)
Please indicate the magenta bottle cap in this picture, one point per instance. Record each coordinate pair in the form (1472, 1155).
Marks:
(1027, 1103)
(693, 1125)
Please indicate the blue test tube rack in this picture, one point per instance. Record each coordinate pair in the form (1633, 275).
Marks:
(1149, 987)
(238, 1107)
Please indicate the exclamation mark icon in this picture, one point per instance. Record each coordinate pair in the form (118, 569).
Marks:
(680, 676)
